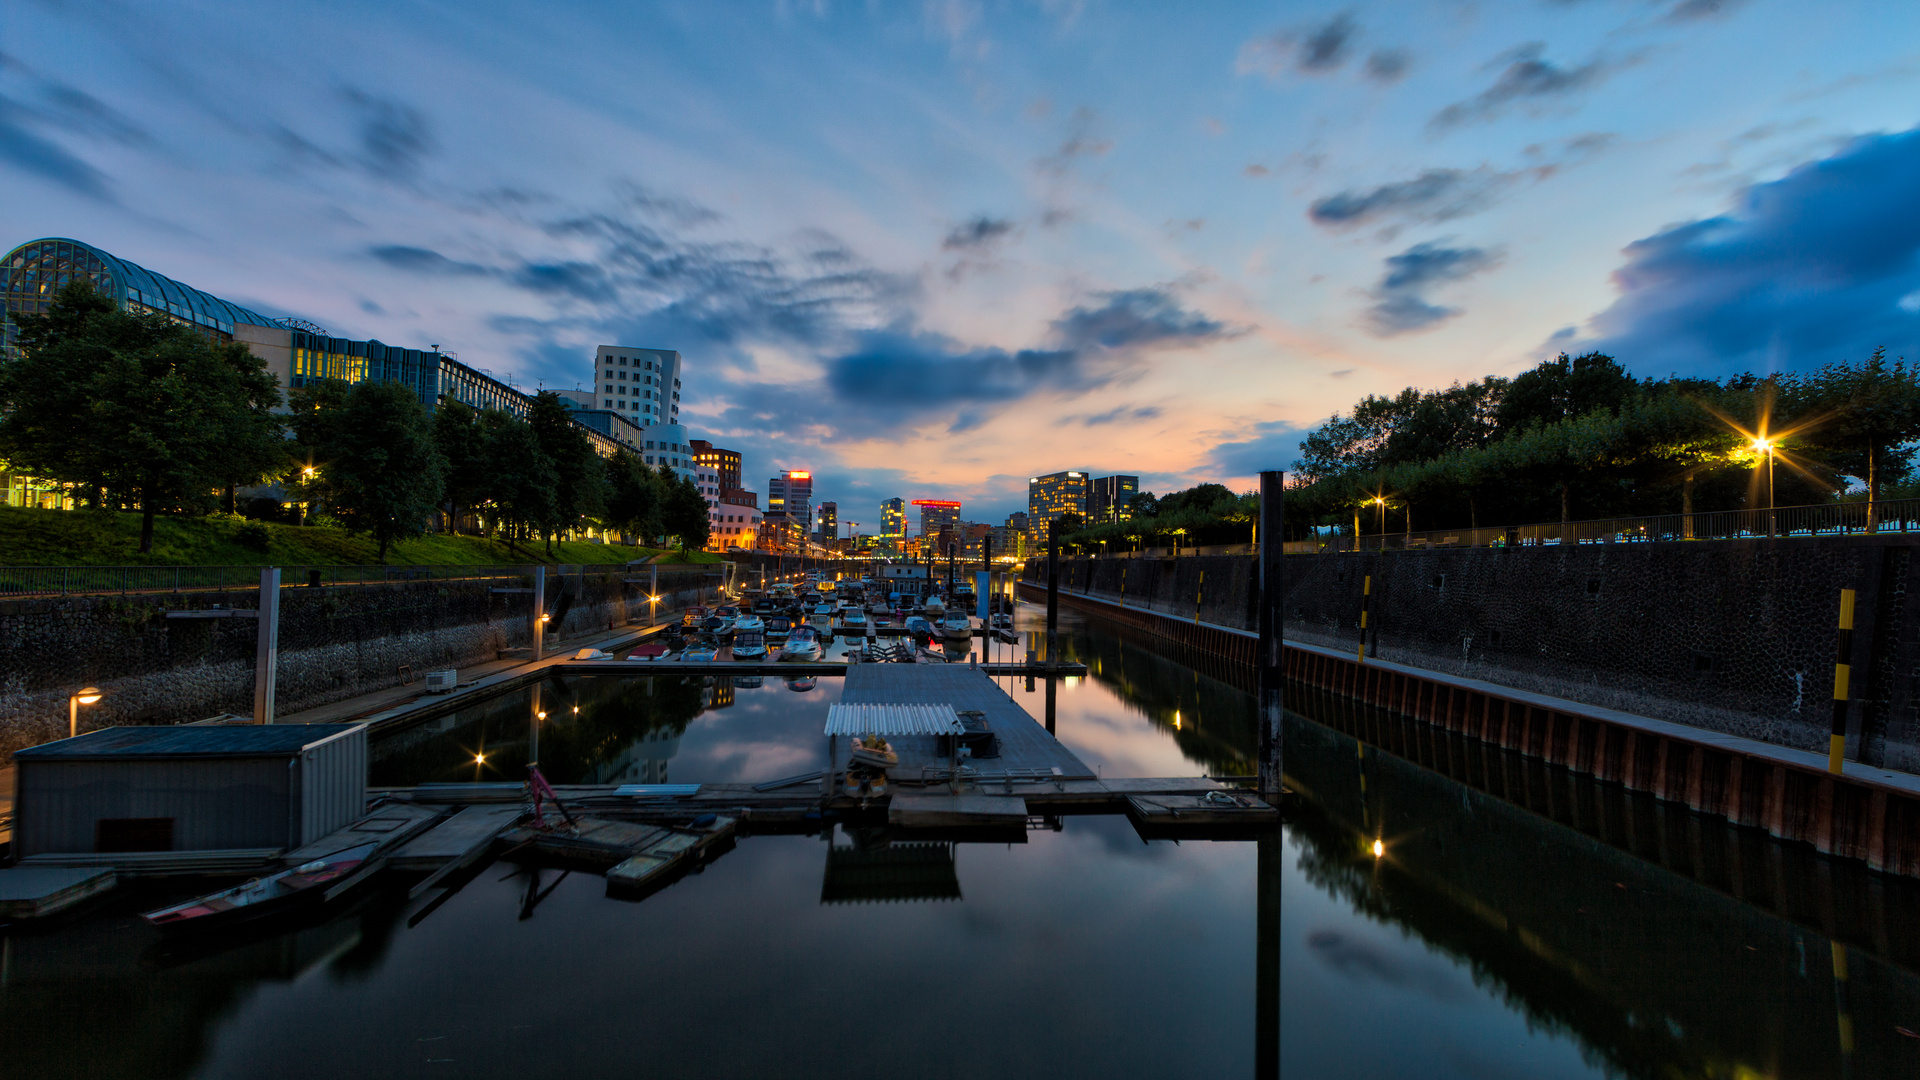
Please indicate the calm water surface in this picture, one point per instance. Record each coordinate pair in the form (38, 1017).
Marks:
(1485, 941)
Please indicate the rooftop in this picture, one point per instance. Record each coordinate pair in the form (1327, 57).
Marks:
(190, 740)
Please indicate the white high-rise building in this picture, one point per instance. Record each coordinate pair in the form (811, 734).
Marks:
(641, 384)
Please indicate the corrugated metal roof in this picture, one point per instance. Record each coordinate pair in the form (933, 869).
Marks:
(846, 719)
(190, 740)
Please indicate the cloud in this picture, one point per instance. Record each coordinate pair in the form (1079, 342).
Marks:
(1271, 444)
(1081, 143)
(1317, 49)
(1526, 78)
(394, 137)
(1401, 305)
(1136, 318)
(925, 371)
(1256, 170)
(977, 234)
(1806, 269)
(28, 152)
(1695, 10)
(1127, 413)
(424, 261)
(1389, 65)
(1434, 195)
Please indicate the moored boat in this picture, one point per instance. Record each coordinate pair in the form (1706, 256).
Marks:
(802, 645)
(289, 890)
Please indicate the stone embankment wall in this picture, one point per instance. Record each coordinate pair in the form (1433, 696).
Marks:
(336, 642)
(1733, 636)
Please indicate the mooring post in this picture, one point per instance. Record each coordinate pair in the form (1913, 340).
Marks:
(1842, 677)
(983, 600)
(653, 589)
(539, 609)
(266, 653)
(1053, 595)
(1272, 600)
(1268, 859)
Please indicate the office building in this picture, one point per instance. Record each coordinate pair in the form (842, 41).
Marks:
(1052, 495)
(828, 520)
(294, 351)
(791, 495)
(1108, 498)
(937, 520)
(640, 384)
(725, 462)
(893, 517)
(735, 525)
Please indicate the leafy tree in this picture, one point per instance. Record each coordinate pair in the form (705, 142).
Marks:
(1868, 419)
(378, 467)
(580, 477)
(685, 514)
(520, 478)
(458, 436)
(636, 496)
(1410, 426)
(134, 409)
(1561, 389)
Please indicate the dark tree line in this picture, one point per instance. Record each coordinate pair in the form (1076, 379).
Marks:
(139, 411)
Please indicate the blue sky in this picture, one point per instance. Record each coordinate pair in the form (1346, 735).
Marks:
(931, 249)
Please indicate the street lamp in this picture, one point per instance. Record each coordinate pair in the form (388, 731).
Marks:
(82, 697)
(1764, 445)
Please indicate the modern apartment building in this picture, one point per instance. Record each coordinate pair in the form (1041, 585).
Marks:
(734, 524)
(725, 462)
(641, 384)
(1052, 495)
(893, 517)
(827, 518)
(791, 495)
(1108, 496)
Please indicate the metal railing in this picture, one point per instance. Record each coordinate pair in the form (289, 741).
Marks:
(25, 581)
(1829, 519)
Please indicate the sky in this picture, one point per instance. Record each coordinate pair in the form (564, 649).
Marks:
(931, 249)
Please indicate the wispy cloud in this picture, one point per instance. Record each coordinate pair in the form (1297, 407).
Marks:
(1527, 78)
(1401, 304)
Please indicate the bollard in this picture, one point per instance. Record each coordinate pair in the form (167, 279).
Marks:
(1366, 596)
(1123, 586)
(1842, 675)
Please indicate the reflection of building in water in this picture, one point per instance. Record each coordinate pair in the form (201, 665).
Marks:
(643, 761)
(716, 693)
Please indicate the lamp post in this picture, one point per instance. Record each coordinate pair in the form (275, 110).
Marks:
(1765, 446)
(78, 698)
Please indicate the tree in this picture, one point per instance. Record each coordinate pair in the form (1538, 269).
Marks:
(1868, 420)
(462, 444)
(685, 514)
(580, 477)
(134, 409)
(520, 479)
(1561, 389)
(636, 497)
(377, 465)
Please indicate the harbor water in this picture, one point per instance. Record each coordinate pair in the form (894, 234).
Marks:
(1422, 927)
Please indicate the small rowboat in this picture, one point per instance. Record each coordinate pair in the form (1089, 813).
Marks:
(303, 885)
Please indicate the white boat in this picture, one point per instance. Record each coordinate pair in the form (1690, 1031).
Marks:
(700, 654)
(749, 645)
(853, 616)
(934, 608)
(802, 645)
(1002, 621)
(593, 654)
(957, 628)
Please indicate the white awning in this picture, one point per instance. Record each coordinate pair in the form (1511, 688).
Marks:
(893, 720)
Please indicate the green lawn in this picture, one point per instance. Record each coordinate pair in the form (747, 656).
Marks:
(90, 538)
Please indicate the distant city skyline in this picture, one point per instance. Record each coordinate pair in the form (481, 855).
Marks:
(1021, 250)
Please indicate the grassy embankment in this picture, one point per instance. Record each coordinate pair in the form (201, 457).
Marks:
(91, 538)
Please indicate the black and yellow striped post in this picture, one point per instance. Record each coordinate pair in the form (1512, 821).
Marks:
(1199, 591)
(1842, 674)
(1843, 1008)
(1366, 597)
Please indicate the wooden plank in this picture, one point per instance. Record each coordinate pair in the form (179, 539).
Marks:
(929, 810)
(32, 892)
(473, 828)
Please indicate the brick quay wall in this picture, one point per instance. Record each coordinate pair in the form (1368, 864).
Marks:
(1731, 636)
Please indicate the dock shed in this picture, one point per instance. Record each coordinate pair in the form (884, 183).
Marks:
(189, 788)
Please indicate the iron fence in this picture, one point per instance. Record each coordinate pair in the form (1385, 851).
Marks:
(29, 581)
(1830, 519)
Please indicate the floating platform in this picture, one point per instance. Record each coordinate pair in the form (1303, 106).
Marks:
(1213, 813)
(653, 867)
(38, 891)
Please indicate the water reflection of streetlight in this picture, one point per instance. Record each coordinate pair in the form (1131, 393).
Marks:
(82, 697)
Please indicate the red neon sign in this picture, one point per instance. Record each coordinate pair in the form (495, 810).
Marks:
(935, 502)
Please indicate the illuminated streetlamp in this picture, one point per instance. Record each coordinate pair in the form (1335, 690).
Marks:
(653, 604)
(1764, 445)
(82, 697)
